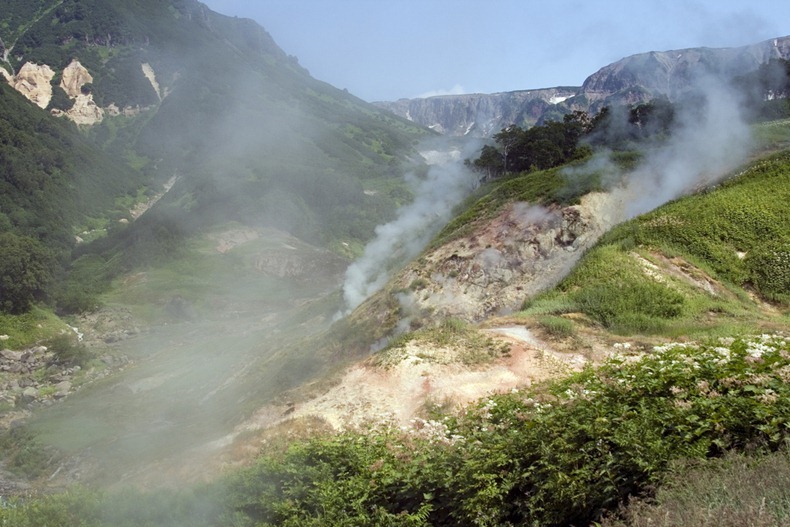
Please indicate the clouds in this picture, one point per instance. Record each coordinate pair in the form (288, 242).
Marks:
(455, 90)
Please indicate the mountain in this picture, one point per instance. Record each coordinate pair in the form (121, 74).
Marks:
(239, 188)
(205, 107)
(479, 115)
(635, 79)
(189, 176)
(180, 89)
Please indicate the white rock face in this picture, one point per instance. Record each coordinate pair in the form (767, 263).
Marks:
(33, 81)
(85, 111)
(75, 76)
(148, 71)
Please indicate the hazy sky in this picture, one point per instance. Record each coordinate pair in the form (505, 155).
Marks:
(388, 49)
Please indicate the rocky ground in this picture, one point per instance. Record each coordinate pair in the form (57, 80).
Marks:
(402, 391)
(35, 377)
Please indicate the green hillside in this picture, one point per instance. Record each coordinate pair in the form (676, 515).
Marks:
(248, 135)
(707, 262)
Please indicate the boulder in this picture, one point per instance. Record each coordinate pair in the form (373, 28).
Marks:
(11, 355)
(62, 389)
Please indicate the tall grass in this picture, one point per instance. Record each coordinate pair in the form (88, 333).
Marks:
(734, 491)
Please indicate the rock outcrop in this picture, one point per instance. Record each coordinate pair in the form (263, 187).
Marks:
(84, 111)
(74, 77)
(479, 115)
(524, 250)
(34, 82)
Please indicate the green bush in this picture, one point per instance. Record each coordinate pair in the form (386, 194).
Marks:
(68, 351)
(557, 326)
(560, 454)
(769, 268)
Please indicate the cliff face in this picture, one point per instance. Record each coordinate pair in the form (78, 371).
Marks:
(632, 80)
(670, 73)
(479, 115)
(34, 81)
(524, 250)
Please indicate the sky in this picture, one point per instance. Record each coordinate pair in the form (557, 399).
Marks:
(384, 50)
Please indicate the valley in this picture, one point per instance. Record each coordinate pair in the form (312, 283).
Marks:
(233, 294)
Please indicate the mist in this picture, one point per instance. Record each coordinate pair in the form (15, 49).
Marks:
(708, 139)
(446, 183)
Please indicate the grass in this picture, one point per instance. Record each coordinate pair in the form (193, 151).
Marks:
(452, 341)
(732, 491)
(203, 278)
(30, 328)
(691, 266)
(557, 327)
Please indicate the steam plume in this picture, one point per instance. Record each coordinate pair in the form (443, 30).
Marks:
(448, 182)
(711, 139)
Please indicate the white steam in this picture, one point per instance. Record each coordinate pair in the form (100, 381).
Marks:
(708, 141)
(448, 182)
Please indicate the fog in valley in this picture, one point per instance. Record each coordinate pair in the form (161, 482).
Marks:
(290, 205)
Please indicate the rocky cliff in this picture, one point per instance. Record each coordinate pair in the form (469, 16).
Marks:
(671, 73)
(479, 115)
(34, 81)
(634, 79)
(522, 251)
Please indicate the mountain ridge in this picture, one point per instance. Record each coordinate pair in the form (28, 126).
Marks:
(634, 79)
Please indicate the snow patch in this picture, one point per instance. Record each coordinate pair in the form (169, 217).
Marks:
(556, 99)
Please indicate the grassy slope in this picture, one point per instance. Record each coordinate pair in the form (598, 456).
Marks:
(648, 275)
(702, 264)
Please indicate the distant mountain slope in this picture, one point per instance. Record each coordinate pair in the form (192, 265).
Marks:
(174, 89)
(51, 178)
(631, 80)
(479, 115)
(671, 73)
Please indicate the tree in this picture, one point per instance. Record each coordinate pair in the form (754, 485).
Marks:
(490, 161)
(26, 269)
(508, 139)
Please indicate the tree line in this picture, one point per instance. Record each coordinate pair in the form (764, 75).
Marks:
(555, 143)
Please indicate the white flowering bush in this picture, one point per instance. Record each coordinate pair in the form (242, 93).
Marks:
(560, 454)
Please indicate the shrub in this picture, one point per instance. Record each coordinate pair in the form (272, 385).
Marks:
(769, 268)
(557, 326)
(556, 456)
(68, 351)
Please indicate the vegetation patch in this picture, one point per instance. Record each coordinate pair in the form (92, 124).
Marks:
(560, 454)
(654, 274)
(29, 328)
(732, 491)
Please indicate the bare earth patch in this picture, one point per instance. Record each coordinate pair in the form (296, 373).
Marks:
(368, 393)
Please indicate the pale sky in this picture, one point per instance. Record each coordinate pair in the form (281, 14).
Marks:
(390, 49)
